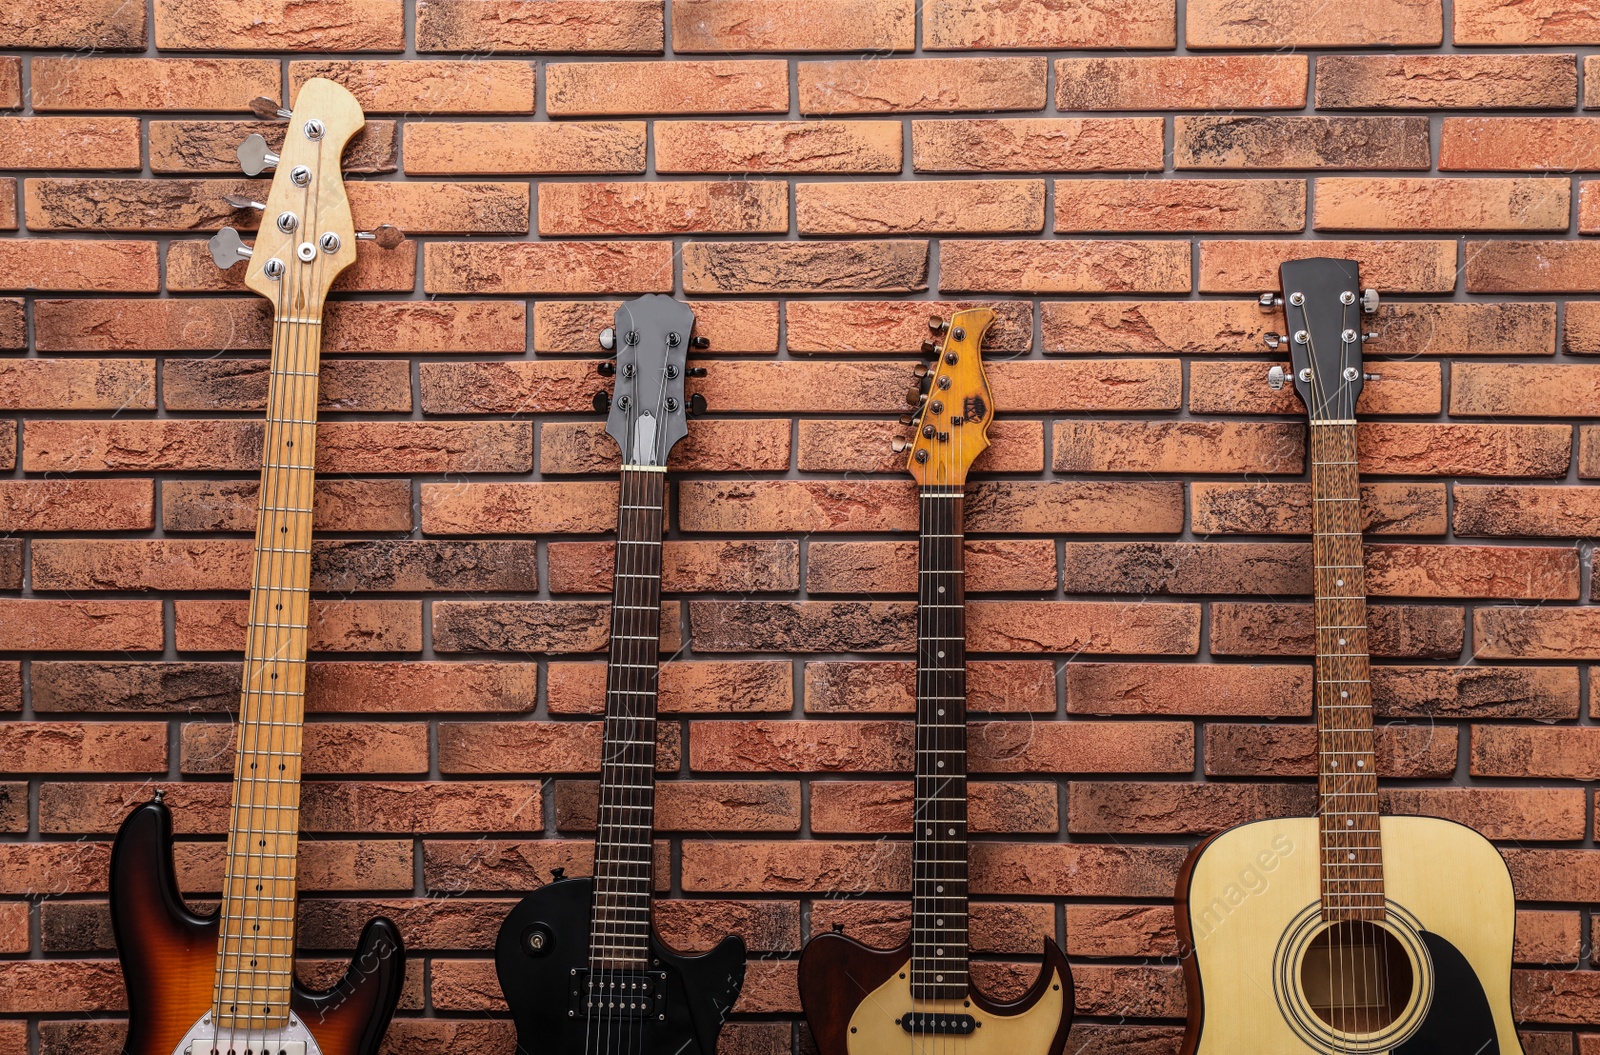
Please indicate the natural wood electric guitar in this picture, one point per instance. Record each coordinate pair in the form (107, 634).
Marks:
(918, 998)
(580, 965)
(224, 984)
(1348, 931)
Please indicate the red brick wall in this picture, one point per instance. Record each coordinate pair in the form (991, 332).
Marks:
(815, 176)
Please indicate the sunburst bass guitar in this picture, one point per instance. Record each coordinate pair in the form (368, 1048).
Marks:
(1347, 932)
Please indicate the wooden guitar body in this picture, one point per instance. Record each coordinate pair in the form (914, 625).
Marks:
(169, 956)
(854, 997)
(1248, 908)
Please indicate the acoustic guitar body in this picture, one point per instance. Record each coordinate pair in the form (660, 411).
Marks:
(855, 996)
(1268, 976)
(169, 956)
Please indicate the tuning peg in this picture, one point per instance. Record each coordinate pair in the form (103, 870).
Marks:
(255, 157)
(914, 397)
(929, 348)
(606, 369)
(906, 419)
(608, 338)
(899, 446)
(240, 201)
(1372, 377)
(1269, 301)
(268, 109)
(1369, 301)
(1276, 377)
(699, 342)
(602, 402)
(936, 324)
(920, 370)
(1370, 335)
(227, 248)
(695, 371)
(387, 235)
(697, 405)
(1272, 340)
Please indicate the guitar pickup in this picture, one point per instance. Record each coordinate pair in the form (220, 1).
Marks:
(618, 994)
(923, 1023)
(274, 1047)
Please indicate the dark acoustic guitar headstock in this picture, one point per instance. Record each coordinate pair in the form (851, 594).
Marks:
(1323, 304)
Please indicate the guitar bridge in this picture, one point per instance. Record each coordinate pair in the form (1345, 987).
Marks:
(618, 994)
(924, 1023)
(263, 1047)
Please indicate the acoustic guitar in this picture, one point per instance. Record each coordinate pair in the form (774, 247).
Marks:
(919, 997)
(224, 984)
(1348, 931)
(578, 960)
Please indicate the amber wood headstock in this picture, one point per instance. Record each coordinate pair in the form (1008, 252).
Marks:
(951, 421)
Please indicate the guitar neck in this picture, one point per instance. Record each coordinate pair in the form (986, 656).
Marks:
(939, 877)
(255, 954)
(1352, 855)
(623, 872)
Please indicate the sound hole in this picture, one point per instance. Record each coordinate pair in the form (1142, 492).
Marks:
(1356, 976)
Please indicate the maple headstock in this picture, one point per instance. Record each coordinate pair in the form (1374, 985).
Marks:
(951, 419)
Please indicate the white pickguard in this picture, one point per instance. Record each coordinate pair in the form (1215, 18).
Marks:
(204, 1038)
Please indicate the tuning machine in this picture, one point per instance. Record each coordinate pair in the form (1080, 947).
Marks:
(268, 109)
(242, 201)
(1369, 301)
(227, 248)
(255, 157)
(1269, 302)
(899, 446)
(694, 371)
(386, 235)
(1276, 378)
(937, 325)
(1272, 340)
(602, 402)
(697, 405)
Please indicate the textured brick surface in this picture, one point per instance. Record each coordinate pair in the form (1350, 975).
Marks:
(1117, 179)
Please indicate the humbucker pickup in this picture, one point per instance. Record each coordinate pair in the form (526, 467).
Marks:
(618, 994)
(921, 1023)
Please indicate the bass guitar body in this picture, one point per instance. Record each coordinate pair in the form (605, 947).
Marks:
(858, 1001)
(1268, 975)
(674, 1007)
(169, 963)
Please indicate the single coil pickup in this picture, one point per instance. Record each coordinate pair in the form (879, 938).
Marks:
(923, 1023)
(617, 994)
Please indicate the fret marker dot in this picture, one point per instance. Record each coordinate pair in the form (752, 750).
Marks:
(938, 978)
(952, 831)
(1350, 823)
(941, 654)
(1352, 857)
(938, 952)
(1342, 641)
(938, 889)
(1338, 582)
(939, 922)
(941, 765)
(1334, 764)
(941, 589)
(1361, 763)
(1344, 694)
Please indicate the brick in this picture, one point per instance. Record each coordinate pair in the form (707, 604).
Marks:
(1130, 807)
(590, 89)
(1588, 452)
(1307, 24)
(1524, 390)
(342, 447)
(546, 267)
(11, 83)
(865, 447)
(1091, 627)
(61, 986)
(1542, 22)
(78, 83)
(535, 508)
(90, 626)
(891, 567)
(11, 564)
(190, 269)
(432, 87)
(803, 626)
(895, 325)
(1532, 267)
(1588, 208)
(750, 566)
(1038, 144)
(737, 446)
(1361, 204)
(336, 626)
(1210, 690)
(442, 148)
(834, 746)
(794, 25)
(694, 806)
(1524, 753)
(1395, 631)
(1545, 512)
(506, 26)
(77, 25)
(239, 25)
(796, 506)
(1520, 144)
(210, 146)
(335, 748)
(1178, 447)
(13, 322)
(865, 806)
(373, 386)
(961, 24)
(517, 387)
(1197, 82)
(1556, 998)
(1226, 142)
(1497, 813)
(1541, 572)
(1430, 449)
(1411, 266)
(1085, 266)
(1083, 747)
(686, 207)
(778, 146)
(730, 326)
(8, 207)
(1446, 82)
(533, 747)
(1236, 749)
(1285, 508)
(98, 266)
(337, 505)
(69, 143)
(1161, 205)
(923, 207)
(11, 686)
(805, 267)
(878, 85)
(1238, 388)
(1536, 633)
(699, 687)
(1186, 568)
(890, 686)
(1547, 937)
(77, 384)
(533, 626)
(76, 506)
(101, 747)
(8, 445)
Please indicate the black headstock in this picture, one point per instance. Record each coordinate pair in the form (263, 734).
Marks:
(1323, 304)
(648, 412)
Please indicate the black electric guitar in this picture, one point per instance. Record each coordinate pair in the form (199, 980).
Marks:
(224, 984)
(919, 997)
(578, 960)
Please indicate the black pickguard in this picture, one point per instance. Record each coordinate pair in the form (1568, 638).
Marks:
(700, 990)
(1460, 1021)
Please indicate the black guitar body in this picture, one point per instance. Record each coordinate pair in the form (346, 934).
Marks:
(1459, 1019)
(542, 958)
